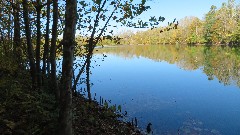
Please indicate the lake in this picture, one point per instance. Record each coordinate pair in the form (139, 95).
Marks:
(178, 89)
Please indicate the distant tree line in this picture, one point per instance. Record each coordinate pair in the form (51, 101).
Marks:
(219, 26)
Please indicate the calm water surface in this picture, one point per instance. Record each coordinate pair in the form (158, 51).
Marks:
(185, 90)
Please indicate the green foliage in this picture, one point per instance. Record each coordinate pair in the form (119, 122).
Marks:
(23, 111)
(220, 26)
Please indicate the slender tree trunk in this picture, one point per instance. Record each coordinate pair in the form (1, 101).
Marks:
(38, 69)
(3, 41)
(88, 60)
(1, 36)
(17, 39)
(74, 89)
(54, 84)
(46, 45)
(29, 43)
(9, 27)
(67, 65)
(48, 64)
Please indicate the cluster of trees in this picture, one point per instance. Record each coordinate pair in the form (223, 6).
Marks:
(219, 26)
(22, 29)
(29, 31)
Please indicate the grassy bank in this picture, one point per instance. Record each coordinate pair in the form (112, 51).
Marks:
(25, 111)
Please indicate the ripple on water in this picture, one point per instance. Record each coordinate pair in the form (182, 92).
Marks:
(196, 127)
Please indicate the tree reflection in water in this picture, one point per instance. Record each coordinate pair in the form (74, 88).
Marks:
(221, 62)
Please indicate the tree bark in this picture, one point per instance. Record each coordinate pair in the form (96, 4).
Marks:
(17, 37)
(74, 88)
(1, 37)
(53, 50)
(88, 60)
(46, 45)
(29, 43)
(67, 65)
(38, 69)
(9, 28)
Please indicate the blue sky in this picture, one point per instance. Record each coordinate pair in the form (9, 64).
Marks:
(179, 9)
(171, 9)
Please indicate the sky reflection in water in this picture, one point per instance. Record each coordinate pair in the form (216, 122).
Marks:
(172, 99)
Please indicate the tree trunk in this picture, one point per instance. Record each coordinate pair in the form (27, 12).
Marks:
(1, 38)
(88, 60)
(54, 84)
(29, 42)
(74, 89)
(67, 65)
(9, 28)
(46, 45)
(38, 69)
(17, 37)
